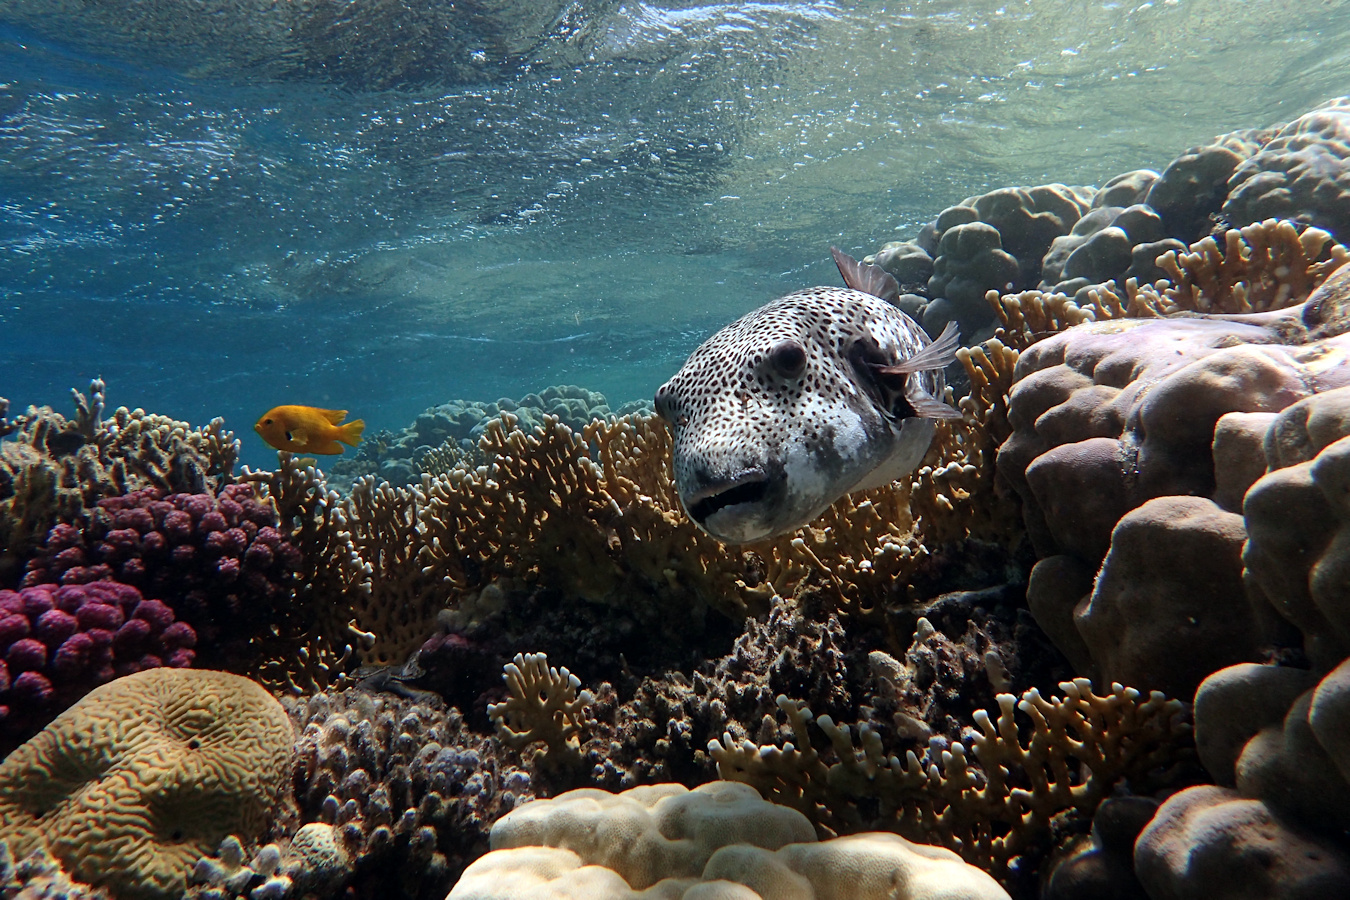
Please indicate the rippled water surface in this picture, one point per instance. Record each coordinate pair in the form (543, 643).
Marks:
(382, 208)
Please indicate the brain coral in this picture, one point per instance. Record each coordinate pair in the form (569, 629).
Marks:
(720, 840)
(131, 785)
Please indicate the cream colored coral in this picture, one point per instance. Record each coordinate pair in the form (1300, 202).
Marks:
(543, 706)
(720, 841)
(144, 775)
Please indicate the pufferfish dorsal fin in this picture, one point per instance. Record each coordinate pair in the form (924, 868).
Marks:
(334, 416)
(866, 277)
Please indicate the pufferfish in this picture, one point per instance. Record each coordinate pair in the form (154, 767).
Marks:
(813, 396)
(307, 429)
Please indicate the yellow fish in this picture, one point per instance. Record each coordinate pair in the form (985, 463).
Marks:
(307, 429)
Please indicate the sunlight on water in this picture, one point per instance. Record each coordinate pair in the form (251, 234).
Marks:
(220, 213)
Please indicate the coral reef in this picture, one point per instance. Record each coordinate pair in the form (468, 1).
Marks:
(129, 786)
(57, 643)
(1153, 453)
(666, 840)
(448, 434)
(54, 469)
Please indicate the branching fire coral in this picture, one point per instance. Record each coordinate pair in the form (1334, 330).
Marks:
(594, 515)
(543, 706)
(1078, 747)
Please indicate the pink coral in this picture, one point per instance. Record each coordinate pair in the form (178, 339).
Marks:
(218, 561)
(58, 642)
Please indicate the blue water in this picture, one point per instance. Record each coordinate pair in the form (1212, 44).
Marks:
(217, 224)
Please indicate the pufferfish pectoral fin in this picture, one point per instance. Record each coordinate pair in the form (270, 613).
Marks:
(937, 355)
(927, 407)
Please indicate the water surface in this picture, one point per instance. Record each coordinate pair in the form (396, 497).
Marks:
(218, 218)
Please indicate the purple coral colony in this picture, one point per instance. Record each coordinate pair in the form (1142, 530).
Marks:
(1096, 646)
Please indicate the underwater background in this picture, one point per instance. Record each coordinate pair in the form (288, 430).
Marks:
(1088, 638)
(215, 231)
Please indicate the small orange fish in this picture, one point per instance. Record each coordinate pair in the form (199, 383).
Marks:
(307, 429)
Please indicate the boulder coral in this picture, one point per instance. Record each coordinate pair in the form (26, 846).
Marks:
(1274, 738)
(719, 840)
(1117, 426)
(142, 776)
(1302, 172)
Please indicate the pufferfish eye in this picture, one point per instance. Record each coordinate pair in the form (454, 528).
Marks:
(662, 404)
(788, 358)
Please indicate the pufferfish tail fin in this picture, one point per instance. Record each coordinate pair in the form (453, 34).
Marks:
(334, 416)
(351, 432)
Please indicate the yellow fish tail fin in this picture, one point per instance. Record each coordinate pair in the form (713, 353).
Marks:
(351, 432)
(335, 416)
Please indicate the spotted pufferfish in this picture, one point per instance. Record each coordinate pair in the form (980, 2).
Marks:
(813, 396)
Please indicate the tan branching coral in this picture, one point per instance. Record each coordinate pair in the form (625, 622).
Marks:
(594, 515)
(1029, 315)
(543, 706)
(332, 577)
(1264, 266)
(1078, 747)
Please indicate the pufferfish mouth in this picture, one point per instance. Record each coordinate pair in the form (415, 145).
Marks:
(750, 487)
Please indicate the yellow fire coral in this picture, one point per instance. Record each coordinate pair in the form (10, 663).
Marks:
(594, 515)
(144, 775)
